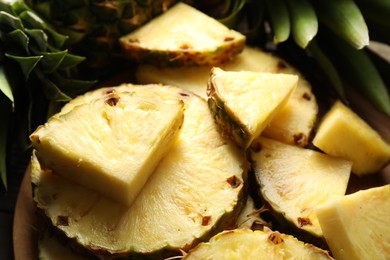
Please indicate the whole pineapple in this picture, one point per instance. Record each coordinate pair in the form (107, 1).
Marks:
(93, 26)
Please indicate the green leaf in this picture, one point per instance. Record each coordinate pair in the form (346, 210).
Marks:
(18, 37)
(5, 109)
(9, 22)
(50, 88)
(39, 38)
(32, 20)
(5, 87)
(52, 60)
(70, 61)
(27, 64)
(73, 87)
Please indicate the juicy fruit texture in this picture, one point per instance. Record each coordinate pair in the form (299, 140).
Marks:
(183, 35)
(293, 124)
(111, 144)
(344, 134)
(243, 103)
(357, 226)
(196, 189)
(248, 244)
(94, 26)
(294, 180)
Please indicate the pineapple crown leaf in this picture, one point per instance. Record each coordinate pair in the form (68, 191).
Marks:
(37, 48)
(5, 87)
(27, 64)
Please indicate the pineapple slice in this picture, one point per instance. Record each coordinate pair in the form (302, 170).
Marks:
(197, 189)
(294, 180)
(243, 103)
(183, 35)
(247, 244)
(292, 125)
(99, 146)
(344, 134)
(357, 226)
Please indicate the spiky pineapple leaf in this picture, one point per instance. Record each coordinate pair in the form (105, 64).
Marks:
(5, 87)
(5, 109)
(70, 61)
(52, 60)
(18, 38)
(27, 64)
(39, 38)
(9, 21)
(72, 87)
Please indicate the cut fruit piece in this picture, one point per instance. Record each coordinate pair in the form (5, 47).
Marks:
(294, 180)
(344, 134)
(183, 35)
(293, 124)
(111, 144)
(357, 226)
(197, 189)
(243, 103)
(248, 244)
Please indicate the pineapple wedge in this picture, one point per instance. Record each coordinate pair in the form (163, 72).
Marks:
(197, 189)
(247, 244)
(99, 146)
(294, 180)
(344, 134)
(243, 103)
(292, 125)
(357, 226)
(183, 35)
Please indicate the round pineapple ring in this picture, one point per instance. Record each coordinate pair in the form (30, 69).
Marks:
(196, 189)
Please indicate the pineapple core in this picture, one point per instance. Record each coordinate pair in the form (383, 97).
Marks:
(343, 133)
(112, 144)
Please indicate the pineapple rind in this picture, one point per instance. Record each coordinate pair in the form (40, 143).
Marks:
(293, 124)
(294, 180)
(357, 226)
(248, 244)
(247, 101)
(98, 145)
(196, 190)
(344, 134)
(183, 36)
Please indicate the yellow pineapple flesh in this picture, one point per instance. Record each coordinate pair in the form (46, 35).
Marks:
(294, 180)
(183, 35)
(293, 124)
(247, 244)
(243, 103)
(344, 134)
(197, 189)
(111, 144)
(357, 226)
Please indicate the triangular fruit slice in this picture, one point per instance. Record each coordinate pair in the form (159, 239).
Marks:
(294, 180)
(244, 102)
(197, 189)
(357, 226)
(248, 244)
(344, 134)
(111, 144)
(293, 124)
(183, 35)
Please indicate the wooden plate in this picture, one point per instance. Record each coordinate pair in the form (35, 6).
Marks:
(27, 225)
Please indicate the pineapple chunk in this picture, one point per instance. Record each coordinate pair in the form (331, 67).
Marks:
(294, 180)
(292, 125)
(196, 189)
(183, 35)
(247, 244)
(344, 134)
(111, 144)
(243, 103)
(357, 226)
